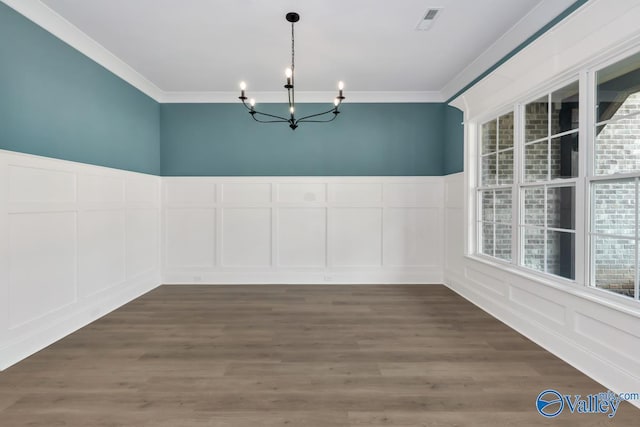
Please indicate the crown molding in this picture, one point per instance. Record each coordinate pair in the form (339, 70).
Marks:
(52, 22)
(543, 13)
(303, 97)
(43, 16)
(55, 24)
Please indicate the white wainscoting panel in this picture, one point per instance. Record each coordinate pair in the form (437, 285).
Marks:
(40, 185)
(302, 193)
(302, 237)
(42, 262)
(192, 232)
(407, 237)
(246, 237)
(302, 230)
(597, 335)
(355, 237)
(76, 241)
(101, 250)
(354, 194)
(249, 193)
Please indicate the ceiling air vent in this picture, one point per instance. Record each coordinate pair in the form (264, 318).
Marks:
(428, 19)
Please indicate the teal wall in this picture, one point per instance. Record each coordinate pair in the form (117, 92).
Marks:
(56, 102)
(366, 139)
(453, 141)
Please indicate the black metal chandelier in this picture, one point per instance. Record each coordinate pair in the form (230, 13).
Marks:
(293, 122)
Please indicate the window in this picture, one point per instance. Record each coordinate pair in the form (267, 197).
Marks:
(495, 193)
(548, 192)
(540, 192)
(614, 199)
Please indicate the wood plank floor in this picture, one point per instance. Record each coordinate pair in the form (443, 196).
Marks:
(293, 356)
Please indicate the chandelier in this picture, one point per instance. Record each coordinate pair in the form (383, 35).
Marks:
(292, 120)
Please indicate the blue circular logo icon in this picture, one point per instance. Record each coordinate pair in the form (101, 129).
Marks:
(549, 403)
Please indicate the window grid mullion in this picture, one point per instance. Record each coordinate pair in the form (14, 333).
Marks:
(616, 119)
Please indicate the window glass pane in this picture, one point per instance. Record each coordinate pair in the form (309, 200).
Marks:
(536, 159)
(564, 109)
(505, 167)
(487, 205)
(503, 242)
(536, 119)
(486, 242)
(618, 88)
(617, 147)
(505, 131)
(489, 137)
(614, 264)
(489, 169)
(503, 206)
(533, 243)
(614, 207)
(561, 211)
(564, 156)
(534, 206)
(560, 253)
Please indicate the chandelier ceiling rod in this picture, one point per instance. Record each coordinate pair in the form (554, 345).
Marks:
(293, 122)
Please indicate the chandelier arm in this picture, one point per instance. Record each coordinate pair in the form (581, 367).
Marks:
(269, 115)
(333, 110)
(335, 116)
(247, 107)
(253, 112)
(269, 121)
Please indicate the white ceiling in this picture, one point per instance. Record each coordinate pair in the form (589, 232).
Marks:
(210, 45)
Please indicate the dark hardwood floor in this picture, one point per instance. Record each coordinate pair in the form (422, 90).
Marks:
(294, 356)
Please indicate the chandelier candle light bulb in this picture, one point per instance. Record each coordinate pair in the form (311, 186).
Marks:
(261, 117)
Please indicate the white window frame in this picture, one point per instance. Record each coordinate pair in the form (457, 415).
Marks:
(518, 185)
(478, 218)
(583, 183)
(575, 182)
(591, 178)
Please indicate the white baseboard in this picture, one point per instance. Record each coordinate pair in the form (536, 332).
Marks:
(305, 277)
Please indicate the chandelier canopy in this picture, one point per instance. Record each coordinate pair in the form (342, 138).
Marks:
(261, 117)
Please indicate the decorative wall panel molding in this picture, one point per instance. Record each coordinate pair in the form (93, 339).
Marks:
(302, 230)
(76, 241)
